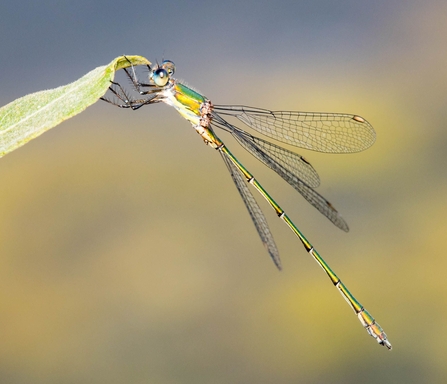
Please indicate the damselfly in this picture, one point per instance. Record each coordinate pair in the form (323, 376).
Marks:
(324, 132)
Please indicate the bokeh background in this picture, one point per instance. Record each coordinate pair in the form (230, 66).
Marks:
(126, 254)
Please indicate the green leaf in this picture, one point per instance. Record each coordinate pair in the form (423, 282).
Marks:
(31, 115)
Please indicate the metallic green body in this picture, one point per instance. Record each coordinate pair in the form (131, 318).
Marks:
(326, 132)
(189, 104)
(186, 101)
(373, 328)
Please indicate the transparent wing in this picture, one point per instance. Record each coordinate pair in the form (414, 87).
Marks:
(323, 132)
(319, 202)
(254, 210)
(291, 161)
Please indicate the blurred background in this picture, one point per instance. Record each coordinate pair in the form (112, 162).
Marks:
(126, 253)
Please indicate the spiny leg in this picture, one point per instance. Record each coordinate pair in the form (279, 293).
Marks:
(137, 83)
(126, 100)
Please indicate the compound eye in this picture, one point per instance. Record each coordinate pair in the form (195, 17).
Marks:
(160, 77)
(169, 66)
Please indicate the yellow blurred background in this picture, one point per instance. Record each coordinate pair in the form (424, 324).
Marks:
(126, 254)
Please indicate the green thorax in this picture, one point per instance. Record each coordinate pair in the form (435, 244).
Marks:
(186, 101)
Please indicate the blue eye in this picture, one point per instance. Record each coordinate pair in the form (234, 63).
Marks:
(160, 77)
(169, 66)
